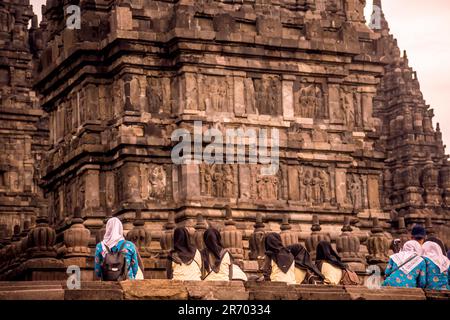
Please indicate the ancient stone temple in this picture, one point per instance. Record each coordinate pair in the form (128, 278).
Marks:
(88, 115)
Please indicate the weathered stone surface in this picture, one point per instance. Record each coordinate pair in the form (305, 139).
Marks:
(154, 290)
(356, 138)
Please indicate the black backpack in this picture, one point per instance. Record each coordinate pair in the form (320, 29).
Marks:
(114, 266)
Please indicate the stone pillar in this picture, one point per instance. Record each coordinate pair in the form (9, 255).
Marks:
(316, 236)
(348, 247)
(288, 236)
(288, 98)
(256, 243)
(140, 236)
(232, 237)
(166, 240)
(200, 228)
(378, 246)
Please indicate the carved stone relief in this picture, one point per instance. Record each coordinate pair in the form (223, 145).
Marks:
(309, 101)
(218, 180)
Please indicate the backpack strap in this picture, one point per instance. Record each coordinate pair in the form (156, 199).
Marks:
(399, 267)
(108, 250)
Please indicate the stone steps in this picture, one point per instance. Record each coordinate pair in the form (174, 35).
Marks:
(190, 290)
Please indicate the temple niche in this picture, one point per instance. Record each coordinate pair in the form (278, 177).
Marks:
(268, 95)
(309, 100)
(218, 180)
(355, 191)
(314, 186)
(216, 93)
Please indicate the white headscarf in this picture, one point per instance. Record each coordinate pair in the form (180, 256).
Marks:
(410, 249)
(113, 234)
(433, 251)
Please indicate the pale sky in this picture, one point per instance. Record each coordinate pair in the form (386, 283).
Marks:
(421, 29)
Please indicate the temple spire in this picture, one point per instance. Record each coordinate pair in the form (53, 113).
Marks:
(378, 20)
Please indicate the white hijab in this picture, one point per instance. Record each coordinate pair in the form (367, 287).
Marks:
(410, 249)
(113, 234)
(433, 251)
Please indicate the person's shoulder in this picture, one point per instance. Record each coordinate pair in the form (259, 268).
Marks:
(130, 245)
(99, 246)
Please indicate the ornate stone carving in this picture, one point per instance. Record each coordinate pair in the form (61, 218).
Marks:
(316, 236)
(76, 238)
(41, 240)
(140, 236)
(310, 102)
(218, 180)
(347, 110)
(166, 240)
(216, 93)
(256, 242)
(268, 95)
(378, 245)
(288, 236)
(231, 236)
(157, 178)
(314, 186)
(348, 246)
(200, 228)
(354, 192)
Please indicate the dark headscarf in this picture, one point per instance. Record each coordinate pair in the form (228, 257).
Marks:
(183, 250)
(213, 253)
(277, 252)
(303, 259)
(439, 242)
(325, 253)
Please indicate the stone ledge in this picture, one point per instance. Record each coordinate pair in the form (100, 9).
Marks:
(187, 290)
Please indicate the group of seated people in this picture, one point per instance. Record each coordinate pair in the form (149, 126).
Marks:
(419, 263)
(292, 264)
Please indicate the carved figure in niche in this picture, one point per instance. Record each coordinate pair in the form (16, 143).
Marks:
(308, 184)
(268, 94)
(301, 186)
(311, 101)
(354, 191)
(228, 181)
(346, 107)
(324, 186)
(215, 94)
(217, 180)
(157, 182)
(154, 95)
(206, 174)
(267, 187)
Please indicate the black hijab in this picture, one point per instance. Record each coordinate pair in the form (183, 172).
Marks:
(325, 253)
(183, 251)
(213, 252)
(303, 259)
(439, 242)
(277, 252)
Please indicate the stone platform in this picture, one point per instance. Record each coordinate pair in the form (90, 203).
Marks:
(178, 290)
